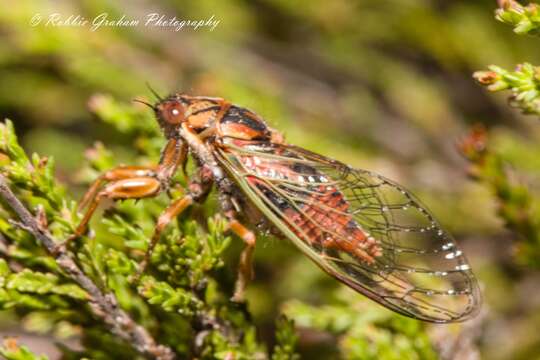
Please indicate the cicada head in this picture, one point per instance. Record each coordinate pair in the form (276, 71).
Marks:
(170, 113)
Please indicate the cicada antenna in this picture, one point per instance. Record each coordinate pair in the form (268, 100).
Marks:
(154, 92)
(145, 103)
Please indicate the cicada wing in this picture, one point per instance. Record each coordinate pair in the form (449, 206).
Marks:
(363, 229)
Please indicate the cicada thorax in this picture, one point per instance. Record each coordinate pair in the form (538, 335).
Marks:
(226, 119)
(322, 219)
(240, 123)
(202, 113)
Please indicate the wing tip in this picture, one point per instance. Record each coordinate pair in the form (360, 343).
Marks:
(471, 311)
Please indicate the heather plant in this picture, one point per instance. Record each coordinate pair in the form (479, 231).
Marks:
(492, 165)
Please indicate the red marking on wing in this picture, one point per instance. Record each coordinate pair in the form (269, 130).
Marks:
(323, 212)
(316, 223)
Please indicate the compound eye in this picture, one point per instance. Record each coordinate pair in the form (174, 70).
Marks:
(174, 113)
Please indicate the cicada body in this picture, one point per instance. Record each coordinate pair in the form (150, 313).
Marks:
(361, 228)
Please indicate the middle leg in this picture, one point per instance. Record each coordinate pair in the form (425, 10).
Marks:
(230, 207)
(198, 188)
(175, 209)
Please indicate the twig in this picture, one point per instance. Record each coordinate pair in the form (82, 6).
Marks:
(103, 305)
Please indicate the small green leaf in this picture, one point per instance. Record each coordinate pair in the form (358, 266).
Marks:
(286, 340)
(170, 299)
(4, 271)
(11, 351)
(28, 281)
(523, 83)
(524, 19)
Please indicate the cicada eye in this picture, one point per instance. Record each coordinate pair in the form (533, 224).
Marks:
(173, 112)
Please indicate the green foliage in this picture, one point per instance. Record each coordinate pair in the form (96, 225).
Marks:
(39, 283)
(130, 120)
(169, 298)
(35, 175)
(524, 83)
(286, 340)
(515, 201)
(524, 19)
(125, 118)
(363, 332)
(11, 351)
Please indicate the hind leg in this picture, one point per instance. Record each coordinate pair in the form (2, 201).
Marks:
(245, 266)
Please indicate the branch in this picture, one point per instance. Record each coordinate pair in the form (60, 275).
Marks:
(103, 305)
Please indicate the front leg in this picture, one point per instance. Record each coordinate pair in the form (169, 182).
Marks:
(133, 182)
(118, 173)
(130, 188)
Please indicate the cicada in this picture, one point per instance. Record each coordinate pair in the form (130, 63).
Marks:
(361, 228)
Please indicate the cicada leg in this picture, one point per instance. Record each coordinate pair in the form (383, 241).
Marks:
(129, 188)
(245, 266)
(175, 209)
(119, 173)
(198, 188)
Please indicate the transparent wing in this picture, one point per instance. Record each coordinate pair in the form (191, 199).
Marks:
(363, 229)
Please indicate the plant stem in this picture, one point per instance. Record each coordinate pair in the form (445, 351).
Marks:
(103, 305)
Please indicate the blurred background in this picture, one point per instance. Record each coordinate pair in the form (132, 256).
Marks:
(382, 85)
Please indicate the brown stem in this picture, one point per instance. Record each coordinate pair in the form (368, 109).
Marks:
(103, 305)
